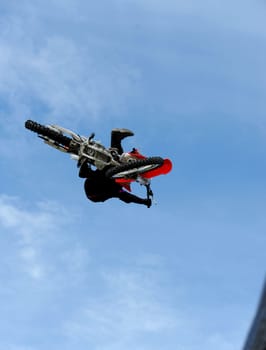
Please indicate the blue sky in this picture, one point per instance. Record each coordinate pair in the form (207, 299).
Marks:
(189, 79)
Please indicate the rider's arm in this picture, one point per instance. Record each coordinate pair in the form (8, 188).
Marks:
(85, 171)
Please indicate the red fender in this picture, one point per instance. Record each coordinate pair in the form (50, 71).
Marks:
(162, 170)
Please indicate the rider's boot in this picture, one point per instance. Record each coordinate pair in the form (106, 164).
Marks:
(117, 136)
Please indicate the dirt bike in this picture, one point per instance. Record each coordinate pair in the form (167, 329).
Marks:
(124, 169)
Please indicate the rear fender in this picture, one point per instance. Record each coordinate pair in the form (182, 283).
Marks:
(164, 169)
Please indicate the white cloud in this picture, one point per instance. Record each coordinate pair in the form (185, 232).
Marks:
(219, 341)
(68, 62)
(247, 15)
(68, 77)
(129, 307)
(17, 347)
(32, 230)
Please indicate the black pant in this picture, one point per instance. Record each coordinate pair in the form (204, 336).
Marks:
(99, 188)
(103, 193)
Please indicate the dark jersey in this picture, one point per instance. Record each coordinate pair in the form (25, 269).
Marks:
(97, 186)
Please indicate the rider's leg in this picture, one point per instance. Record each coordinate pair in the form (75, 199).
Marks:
(131, 198)
(117, 136)
(85, 171)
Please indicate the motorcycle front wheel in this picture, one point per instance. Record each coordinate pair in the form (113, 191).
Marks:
(134, 168)
(45, 131)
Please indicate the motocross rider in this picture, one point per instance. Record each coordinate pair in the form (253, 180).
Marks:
(99, 188)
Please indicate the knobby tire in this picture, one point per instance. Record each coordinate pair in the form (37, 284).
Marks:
(50, 133)
(157, 161)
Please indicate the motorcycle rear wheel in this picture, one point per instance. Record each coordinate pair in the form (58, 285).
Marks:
(43, 130)
(134, 168)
